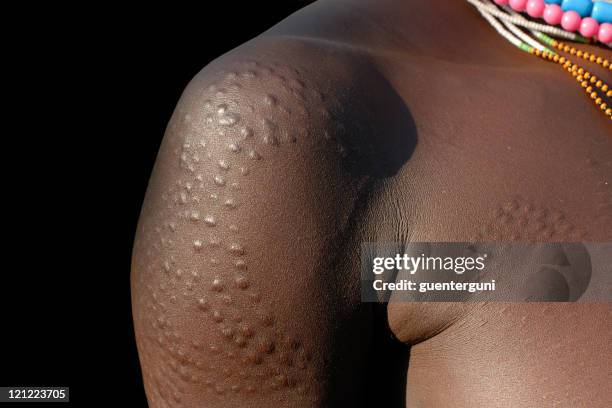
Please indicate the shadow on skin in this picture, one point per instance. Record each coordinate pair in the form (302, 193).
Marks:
(377, 148)
(382, 142)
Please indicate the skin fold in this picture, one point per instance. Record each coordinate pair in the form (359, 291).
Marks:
(367, 121)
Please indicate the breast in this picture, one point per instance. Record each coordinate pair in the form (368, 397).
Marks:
(495, 161)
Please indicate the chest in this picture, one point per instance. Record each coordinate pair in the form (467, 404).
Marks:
(502, 154)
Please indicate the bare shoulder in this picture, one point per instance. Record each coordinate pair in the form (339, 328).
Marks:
(304, 93)
(239, 273)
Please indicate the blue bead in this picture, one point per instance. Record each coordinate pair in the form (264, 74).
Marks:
(553, 1)
(602, 12)
(582, 7)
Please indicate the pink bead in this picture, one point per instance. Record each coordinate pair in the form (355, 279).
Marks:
(501, 2)
(605, 33)
(553, 14)
(535, 8)
(518, 5)
(589, 27)
(570, 21)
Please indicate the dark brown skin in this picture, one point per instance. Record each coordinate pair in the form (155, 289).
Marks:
(355, 121)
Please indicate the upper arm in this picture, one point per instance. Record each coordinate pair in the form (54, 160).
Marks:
(240, 266)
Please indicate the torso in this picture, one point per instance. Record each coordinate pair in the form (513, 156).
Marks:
(508, 148)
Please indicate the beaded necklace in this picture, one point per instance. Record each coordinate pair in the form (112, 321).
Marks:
(581, 21)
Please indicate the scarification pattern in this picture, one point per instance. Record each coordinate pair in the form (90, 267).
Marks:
(249, 351)
(519, 220)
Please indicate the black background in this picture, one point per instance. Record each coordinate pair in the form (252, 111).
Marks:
(89, 93)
